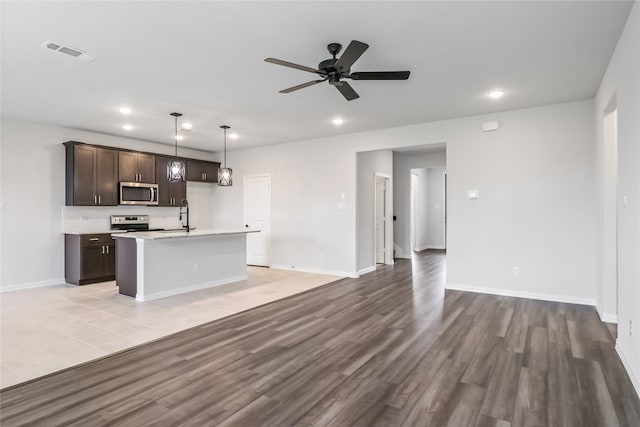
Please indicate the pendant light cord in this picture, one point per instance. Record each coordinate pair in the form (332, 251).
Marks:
(176, 140)
(225, 147)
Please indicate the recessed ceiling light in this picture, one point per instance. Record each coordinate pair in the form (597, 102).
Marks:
(127, 127)
(495, 94)
(186, 126)
(338, 121)
(233, 135)
(125, 110)
(179, 137)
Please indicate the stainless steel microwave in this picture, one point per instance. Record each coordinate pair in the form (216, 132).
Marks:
(138, 193)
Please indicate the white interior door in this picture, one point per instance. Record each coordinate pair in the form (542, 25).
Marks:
(257, 215)
(381, 230)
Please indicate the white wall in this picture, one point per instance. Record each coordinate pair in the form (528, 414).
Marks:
(536, 208)
(402, 165)
(367, 164)
(435, 206)
(543, 222)
(33, 191)
(621, 83)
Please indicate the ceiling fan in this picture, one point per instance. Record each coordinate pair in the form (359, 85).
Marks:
(335, 69)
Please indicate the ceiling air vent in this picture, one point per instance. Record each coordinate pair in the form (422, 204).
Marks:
(67, 50)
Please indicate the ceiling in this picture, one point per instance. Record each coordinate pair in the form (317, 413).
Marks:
(205, 59)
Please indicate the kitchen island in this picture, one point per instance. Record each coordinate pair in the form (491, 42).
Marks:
(158, 264)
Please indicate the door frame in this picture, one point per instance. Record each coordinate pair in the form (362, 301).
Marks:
(258, 175)
(388, 223)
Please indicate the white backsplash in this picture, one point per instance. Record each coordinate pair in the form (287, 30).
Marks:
(93, 219)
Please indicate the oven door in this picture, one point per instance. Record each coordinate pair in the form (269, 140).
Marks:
(138, 193)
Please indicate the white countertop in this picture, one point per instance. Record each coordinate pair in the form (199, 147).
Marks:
(81, 233)
(157, 235)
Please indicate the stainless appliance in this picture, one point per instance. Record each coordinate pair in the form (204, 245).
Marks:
(138, 193)
(131, 223)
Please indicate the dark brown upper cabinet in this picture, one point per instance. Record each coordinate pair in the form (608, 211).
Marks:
(202, 171)
(169, 193)
(136, 167)
(91, 175)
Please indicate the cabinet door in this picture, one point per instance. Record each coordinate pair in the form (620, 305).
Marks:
(146, 168)
(178, 192)
(84, 163)
(195, 171)
(109, 259)
(211, 172)
(92, 262)
(127, 166)
(164, 192)
(107, 176)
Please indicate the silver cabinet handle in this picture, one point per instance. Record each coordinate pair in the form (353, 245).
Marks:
(99, 200)
(103, 250)
(107, 249)
(205, 176)
(95, 199)
(94, 239)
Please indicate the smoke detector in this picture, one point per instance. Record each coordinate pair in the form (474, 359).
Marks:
(67, 50)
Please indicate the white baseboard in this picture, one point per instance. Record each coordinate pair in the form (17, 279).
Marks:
(420, 248)
(403, 256)
(635, 379)
(436, 247)
(609, 318)
(32, 285)
(197, 287)
(367, 270)
(521, 294)
(353, 275)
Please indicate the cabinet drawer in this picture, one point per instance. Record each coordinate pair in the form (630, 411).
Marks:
(93, 239)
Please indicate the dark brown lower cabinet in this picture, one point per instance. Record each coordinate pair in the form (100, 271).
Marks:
(89, 258)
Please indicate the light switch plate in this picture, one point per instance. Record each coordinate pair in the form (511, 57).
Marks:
(473, 194)
(342, 205)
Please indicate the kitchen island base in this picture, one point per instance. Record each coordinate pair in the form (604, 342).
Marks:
(158, 265)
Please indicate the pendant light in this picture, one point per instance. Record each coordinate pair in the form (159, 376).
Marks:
(224, 173)
(175, 168)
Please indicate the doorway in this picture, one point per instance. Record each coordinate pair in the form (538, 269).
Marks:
(257, 215)
(382, 238)
(428, 208)
(609, 309)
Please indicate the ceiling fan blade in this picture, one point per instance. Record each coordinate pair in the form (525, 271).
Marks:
(302, 86)
(380, 75)
(347, 91)
(291, 65)
(351, 54)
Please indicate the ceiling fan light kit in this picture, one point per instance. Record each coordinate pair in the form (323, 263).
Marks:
(335, 69)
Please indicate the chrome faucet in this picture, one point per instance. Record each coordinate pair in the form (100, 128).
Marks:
(184, 204)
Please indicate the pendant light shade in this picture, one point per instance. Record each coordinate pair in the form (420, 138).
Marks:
(224, 173)
(175, 168)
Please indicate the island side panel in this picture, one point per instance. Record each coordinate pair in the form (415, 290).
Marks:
(176, 266)
(126, 266)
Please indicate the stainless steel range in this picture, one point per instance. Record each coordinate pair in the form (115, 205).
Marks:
(131, 223)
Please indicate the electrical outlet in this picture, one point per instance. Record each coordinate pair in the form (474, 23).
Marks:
(516, 271)
(196, 266)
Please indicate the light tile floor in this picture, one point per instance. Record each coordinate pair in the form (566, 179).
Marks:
(47, 329)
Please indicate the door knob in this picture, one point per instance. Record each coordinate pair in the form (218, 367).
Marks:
(246, 225)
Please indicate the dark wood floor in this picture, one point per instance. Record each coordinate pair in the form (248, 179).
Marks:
(388, 349)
